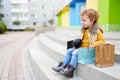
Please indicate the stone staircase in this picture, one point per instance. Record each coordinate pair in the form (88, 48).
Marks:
(48, 48)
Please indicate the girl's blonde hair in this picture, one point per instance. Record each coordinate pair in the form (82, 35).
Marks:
(93, 15)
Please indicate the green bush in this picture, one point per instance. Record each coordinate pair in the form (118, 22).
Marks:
(44, 25)
(16, 22)
(1, 16)
(29, 29)
(3, 27)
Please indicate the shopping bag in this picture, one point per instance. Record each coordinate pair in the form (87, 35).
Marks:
(86, 55)
(104, 55)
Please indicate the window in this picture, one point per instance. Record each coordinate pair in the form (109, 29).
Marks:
(15, 5)
(1, 6)
(34, 23)
(15, 14)
(53, 15)
(34, 15)
(7, 14)
(33, 7)
(24, 23)
(32, 0)
(44, 15)
(19, 15)
(42, 6)
(25, 15)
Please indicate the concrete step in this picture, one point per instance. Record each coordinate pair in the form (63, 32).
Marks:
(91, 72)
(42, 63)
(30, 70)
(87, 72)
(52, 48)
(62, 36)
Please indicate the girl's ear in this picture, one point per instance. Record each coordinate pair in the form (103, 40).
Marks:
(92, 20)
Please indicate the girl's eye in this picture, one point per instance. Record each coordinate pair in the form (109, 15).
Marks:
(83, 20)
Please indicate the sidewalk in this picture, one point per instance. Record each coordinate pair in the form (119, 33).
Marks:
(14, 60)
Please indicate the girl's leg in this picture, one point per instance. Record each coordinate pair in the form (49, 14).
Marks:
(74, 58)
(68, 56)
(65, 62)
(69, 70)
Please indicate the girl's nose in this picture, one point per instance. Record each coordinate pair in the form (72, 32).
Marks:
(82, 22)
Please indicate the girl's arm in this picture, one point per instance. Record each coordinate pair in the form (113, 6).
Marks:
(100, 39)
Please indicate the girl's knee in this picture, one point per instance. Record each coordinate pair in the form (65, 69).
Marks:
(70, 50)
(75, 52)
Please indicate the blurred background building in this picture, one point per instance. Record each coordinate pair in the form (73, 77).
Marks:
(19, 14)
(27, 13)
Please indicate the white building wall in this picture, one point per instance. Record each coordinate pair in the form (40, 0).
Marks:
(44, 11)
(7, 13)
(49, 11)
(35, 9)
(31, 11)
(15, 10)
(19, 11)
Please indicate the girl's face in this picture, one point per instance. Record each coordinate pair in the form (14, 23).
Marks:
(86, 21)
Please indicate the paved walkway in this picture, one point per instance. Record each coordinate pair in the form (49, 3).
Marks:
(14, 63)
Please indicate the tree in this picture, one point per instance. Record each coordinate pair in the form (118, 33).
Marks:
(51, 21)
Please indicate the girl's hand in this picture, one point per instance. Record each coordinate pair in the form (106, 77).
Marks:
(91, 46)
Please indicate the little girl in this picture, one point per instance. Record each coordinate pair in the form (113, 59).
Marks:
(91, 36)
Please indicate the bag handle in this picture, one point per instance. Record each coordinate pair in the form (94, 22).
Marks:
(91, 41)
(105, 55)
